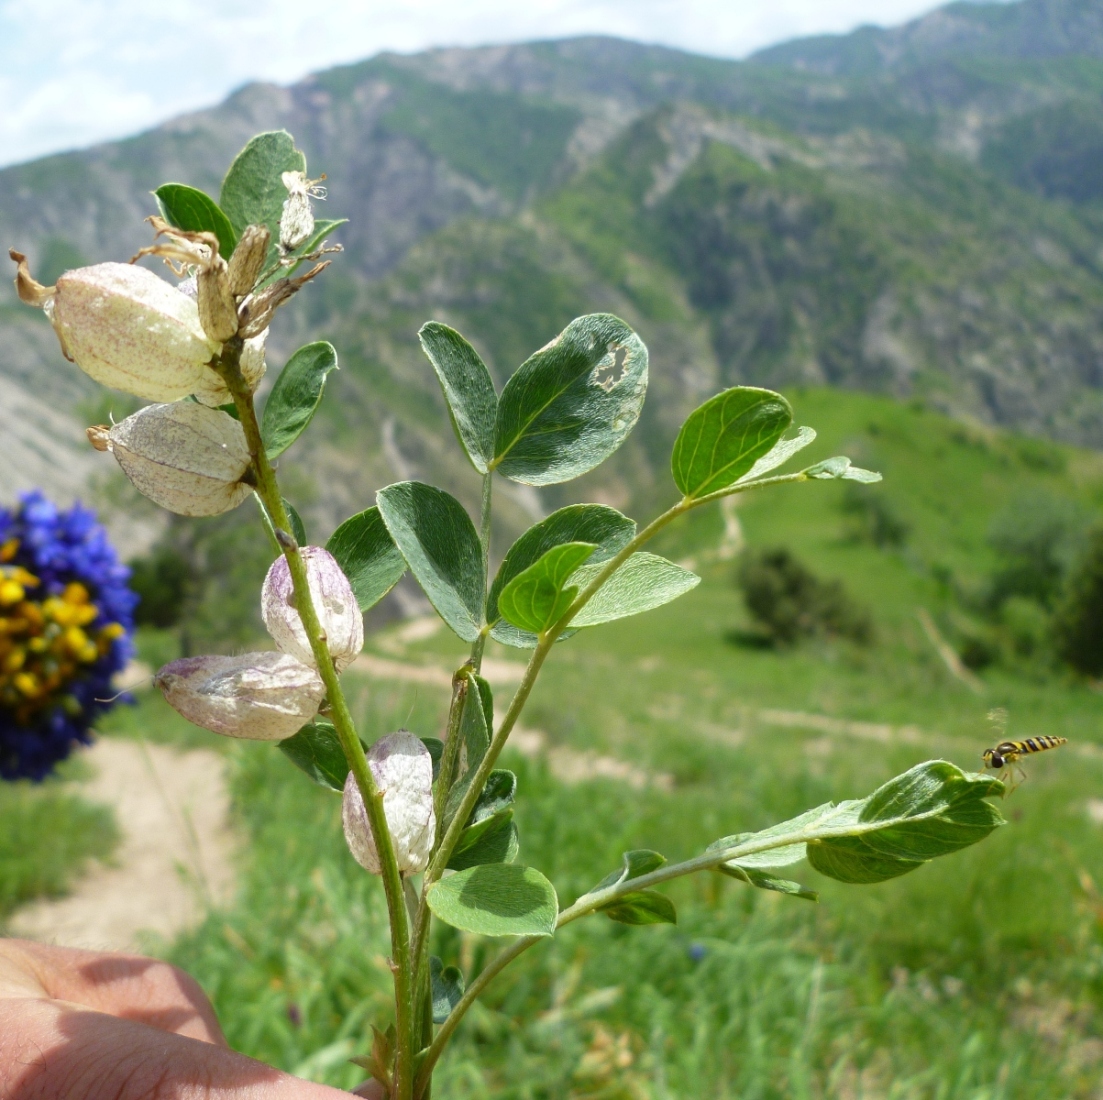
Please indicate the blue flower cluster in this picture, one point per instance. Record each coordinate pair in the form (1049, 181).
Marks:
(66, 615)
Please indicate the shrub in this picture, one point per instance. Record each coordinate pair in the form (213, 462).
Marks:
(788, 601)
(871, 517)
(1078, 623)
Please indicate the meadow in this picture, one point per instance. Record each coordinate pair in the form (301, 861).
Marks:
(979, 977)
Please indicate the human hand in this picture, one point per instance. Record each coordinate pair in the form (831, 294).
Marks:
(85, 1025)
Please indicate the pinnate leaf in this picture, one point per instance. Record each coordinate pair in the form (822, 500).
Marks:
(468, 389)
(439, 542)
(644, 582)
(538, 597)
(725, 437)
(295, 396)
(571, 404)
(368, 556)
(191, 209)
(496, 899)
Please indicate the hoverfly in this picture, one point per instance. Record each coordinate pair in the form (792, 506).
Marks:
(1005, 757)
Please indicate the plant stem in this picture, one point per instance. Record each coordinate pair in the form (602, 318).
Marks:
(268, 490)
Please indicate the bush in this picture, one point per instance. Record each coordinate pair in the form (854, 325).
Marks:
(1078, 623)
(871, 517)
(161, 581)
(788, 601)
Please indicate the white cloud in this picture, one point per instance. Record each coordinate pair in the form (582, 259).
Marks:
(73, 72)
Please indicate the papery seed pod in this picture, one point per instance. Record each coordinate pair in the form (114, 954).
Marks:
(297, 220)
(247, 262)
(258, 696)
(252, 364)
(333, 600)
(185, 457)
(217, 308)
(403, 771)
(130, 330)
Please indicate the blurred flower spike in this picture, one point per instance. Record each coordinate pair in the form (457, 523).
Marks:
(66, 615)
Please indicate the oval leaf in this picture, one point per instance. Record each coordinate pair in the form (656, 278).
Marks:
(723, 439)
(780, 453)
(496, 899)
(763, 881)
(468, 389)
(316, 749)
(295, 396)
(368, 556)
(639, 861)
(189, 208)
(642, 907)
(538, 597)
(572, 404)
(644, 582)
(253, 192)
(491, 841)
(447, 987)
(605, 527)
(442, 549)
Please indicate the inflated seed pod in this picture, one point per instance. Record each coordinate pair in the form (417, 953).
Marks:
(215, 391)
(403, 771)
(257, 696)
(333, 599)
(126, 328)
(184, 456)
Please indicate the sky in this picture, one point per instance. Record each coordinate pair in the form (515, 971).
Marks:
(75, 72)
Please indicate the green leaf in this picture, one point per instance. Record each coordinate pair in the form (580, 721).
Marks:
(722, 440)
(253, 192)
(639, 861)
(368, 556)
(442, 549)
(493, 840)
(644, 582)
(447, 987)
(604, 527)
(295, 396)
(435, 746)
(316, 749)
(486, 697)
(298, 528)
(496, 899)
(188, 208)
(931, 810)
(473, 727)
(468, 389)
(539, 596)
(498, 792)
(780, 453)
(767, 882)
(572, 404)
(642, 907)
(840, 469)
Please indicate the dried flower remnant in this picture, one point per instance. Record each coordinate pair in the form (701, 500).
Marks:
(125, 328)
(297, 220)
(247, 262)
(256, 696)
(184, 456)
(403, 771)
(334, 602)
(66, 613)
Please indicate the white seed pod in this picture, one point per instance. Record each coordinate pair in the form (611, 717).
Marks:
(183, 456)
(403, 771)
(214, 391)
(130, 330)
(258, 696)
(333, 600)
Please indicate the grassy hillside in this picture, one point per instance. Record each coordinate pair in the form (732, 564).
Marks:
(976, 977)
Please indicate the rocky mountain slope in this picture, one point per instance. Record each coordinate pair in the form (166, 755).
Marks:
(913, 211)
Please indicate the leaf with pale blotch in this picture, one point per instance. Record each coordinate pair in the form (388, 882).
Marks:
(496, 899)
(571, 404)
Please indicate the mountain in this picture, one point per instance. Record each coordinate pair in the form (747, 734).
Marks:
(913, 211)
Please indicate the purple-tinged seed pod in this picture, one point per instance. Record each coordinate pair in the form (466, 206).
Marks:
(403, 771)
(334, 601)
(257, 696)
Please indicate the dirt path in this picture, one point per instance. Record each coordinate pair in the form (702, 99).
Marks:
(174, 860)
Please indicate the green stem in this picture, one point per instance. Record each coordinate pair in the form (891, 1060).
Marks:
(267, 489)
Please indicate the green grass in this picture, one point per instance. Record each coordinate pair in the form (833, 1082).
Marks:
(48, 834)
